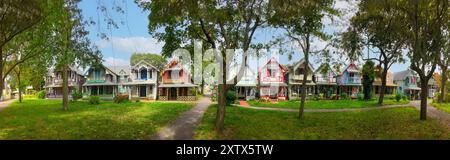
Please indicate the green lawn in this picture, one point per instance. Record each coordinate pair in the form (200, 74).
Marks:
(324, 104)
(395, 123)
(442, 106)
(44, 119)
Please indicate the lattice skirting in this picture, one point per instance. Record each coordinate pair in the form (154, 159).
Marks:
(186, 98)
(163, 98)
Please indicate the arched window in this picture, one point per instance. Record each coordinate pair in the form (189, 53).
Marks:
(143, 72)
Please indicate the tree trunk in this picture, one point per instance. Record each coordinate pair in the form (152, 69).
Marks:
(423, 98)
(220, 116)
(443, 85)
(65, 88)
(383, 85)
(2, 81)
(303, 88)
(20, 86)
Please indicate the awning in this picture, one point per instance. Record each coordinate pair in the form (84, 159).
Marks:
(245, 85)
(308, 84)
(412, 88)
(274, 84)
(99, 84)
(176, 85)
(137, 83)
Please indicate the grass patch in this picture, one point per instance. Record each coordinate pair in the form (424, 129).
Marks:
(250, 124)
(325, 104)
(45, 119)
(442, 106)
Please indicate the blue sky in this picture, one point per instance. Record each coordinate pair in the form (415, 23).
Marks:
(132, 34)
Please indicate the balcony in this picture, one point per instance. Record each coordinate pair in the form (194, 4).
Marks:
(353, 80)
(300, 77)
(96, 81)
(176, 81)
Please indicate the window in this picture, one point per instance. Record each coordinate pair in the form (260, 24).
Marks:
(143, 73)
(97, 74)
(151, 74)
(271, 73)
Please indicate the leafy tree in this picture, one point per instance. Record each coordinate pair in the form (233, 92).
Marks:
(383, 27)
(368, 72)
(302, 20)
(221, 24)
(17, 17)
(72, 45)
(156, 60)
(424, 26)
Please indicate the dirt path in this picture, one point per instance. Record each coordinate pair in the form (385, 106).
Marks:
(184, 127)
(5, 104)
(442, 117)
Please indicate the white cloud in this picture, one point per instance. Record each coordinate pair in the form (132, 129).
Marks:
(132, 44)
(110, 61)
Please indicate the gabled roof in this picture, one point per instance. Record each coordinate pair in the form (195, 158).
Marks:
(118, 69)
(317, 71)
(398, 76)
(270, 62)
(297, 64)
(72, 68)
(106, 68)
(145, 63)
(357, 69)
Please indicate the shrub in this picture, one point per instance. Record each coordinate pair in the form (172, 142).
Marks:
(138, 100)
(398, 96)
(94, 100)
(404, 98)
(447, 98)
(231, 97)
(360, 97)
(390, 96)
(316, 97)
(119, 98)
(344, 96)
(41, 95)
(76, 95)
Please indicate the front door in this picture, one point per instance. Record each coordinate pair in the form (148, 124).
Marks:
(173, 94)
(143, 91)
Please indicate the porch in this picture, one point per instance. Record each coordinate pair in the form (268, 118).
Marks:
(103, 91)
(178, 92)
(141, 91)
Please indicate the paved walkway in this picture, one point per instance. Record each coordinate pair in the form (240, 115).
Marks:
(6, 104)
(442, 117)
(184, 127)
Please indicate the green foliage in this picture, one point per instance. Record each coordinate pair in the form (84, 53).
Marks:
(41, 94)
(76, 95)
(108, 120)
(344, 96)
(231, 97)
(360, 96)
(94, 100)
(155, 60)
(324, 104)
(368, 73)
(251, 124)
(120, 98)
(404, 98)
(391, 97)
(398, 96)
(138, 100)
(447, 98)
